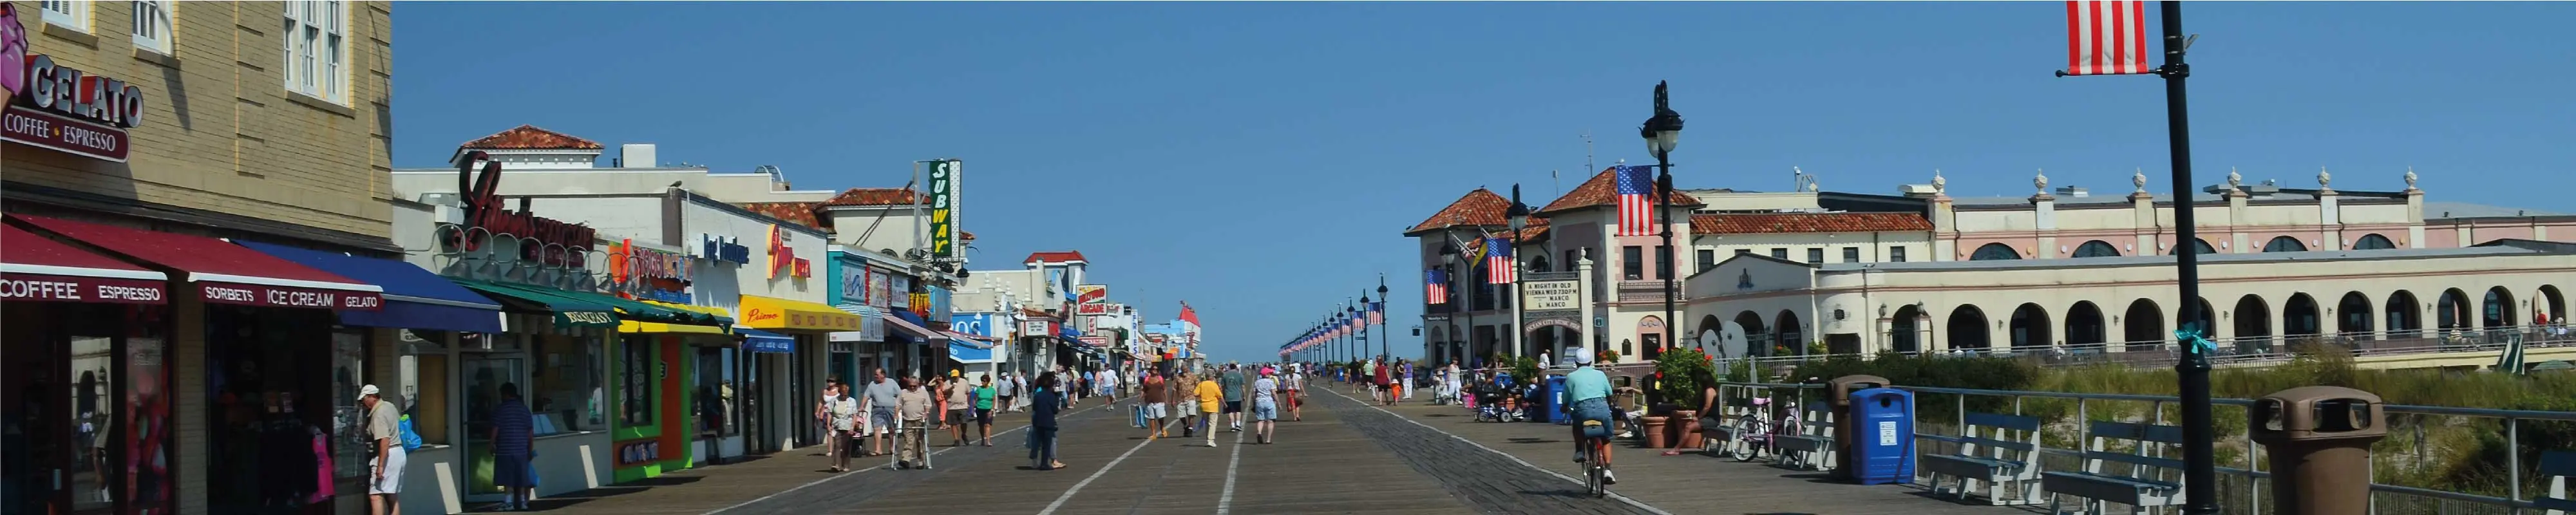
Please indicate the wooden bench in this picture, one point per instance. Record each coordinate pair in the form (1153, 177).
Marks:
(2152, 481)
(1994, 449)
(1813, 447)
(2560, 466)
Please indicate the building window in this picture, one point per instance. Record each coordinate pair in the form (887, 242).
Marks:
(1707, 259)
(1816, 256)
(1994, 252)
(2096, 248)
(1851, 254)
(1632, 260)
(1780, 254)
(1896, 254)
(637, 377)
(71, 14)
(565, 382)
(152, 25)
(1573, 258)
(1740, 252)
(1663, 262)
(316, 48)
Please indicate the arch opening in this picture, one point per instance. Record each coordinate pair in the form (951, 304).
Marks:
(2284, 244)
(2029, 327)
(2143, 326)
(1901, 329)
(2084, 325)
(2253, 325)
(2096, 248)
(1994, 252)
(2404, 315)
(1966, 328)
(2352, 316)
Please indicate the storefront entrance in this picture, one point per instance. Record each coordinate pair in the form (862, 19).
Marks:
(86, 424)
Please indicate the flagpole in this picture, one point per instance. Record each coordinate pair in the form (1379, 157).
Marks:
(2200, 459)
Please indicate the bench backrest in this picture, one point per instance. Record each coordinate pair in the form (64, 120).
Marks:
(2003, 437)
(2560, 466)
(2149, 444)
(1818, 417)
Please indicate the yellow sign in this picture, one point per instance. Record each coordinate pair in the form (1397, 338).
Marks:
(776, 314)
(631, 326)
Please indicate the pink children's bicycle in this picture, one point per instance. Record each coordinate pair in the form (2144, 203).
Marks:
(1754, 436)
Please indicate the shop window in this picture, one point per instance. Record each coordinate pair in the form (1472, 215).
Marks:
(152, 25)
(635, 379)
(1779, 253)
(148, 436)
(348, 417)
(1707, 259)
(1815, 256)
(315, 48)
(1663, 262)
(1632, 261)
(1896, 254)
(1851, 254)
(70, 14)
(714, 392)
(565, 384)
(94, 417)
(425, 398)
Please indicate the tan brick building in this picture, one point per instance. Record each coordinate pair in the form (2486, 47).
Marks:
(144, 125)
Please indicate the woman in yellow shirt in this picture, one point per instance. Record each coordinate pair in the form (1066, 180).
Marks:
(1209, 397)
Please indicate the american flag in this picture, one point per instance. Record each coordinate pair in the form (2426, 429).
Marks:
(1498, 263)
(1636, 201)
(1435, 286)
(2106, 37)
(1377, 313)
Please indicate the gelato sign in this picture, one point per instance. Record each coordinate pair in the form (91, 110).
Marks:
(61, 108)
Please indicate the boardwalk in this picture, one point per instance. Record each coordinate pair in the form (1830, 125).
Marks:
(1346, 457)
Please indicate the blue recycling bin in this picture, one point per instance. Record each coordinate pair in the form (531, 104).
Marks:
(1882, 446)
(1554, 401)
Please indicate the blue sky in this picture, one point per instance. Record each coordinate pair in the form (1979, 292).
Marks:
(1261, 159)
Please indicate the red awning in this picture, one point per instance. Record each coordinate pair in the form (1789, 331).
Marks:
(223, 273)
(33, 267)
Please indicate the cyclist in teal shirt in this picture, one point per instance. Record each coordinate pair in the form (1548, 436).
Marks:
(1587, 394)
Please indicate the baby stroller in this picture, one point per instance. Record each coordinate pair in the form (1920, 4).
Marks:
(1492, 404)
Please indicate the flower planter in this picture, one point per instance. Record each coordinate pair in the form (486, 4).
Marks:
(1655, 432)
(1686, 429)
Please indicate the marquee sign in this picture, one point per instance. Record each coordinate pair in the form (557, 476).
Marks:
(61, 108)
(943, 208)
(722, 249)
(484, 210)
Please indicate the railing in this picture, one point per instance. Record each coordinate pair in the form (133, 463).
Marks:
(2241, 351)
(2241, 475)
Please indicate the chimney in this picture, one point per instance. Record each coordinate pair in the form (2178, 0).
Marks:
(637, 155)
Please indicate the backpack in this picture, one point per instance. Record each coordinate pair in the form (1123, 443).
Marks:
(410, 439)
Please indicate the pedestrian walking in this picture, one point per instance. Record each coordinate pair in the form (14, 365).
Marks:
(1233, 383)
(881, 398)
(384, 431)
(823, 418)
(1265, 406)
(984, 409)
(1295, 382)
(1043, 404)
(1210, 395)
(1186, 391)
(912, 434)
(843, 413)
(1154, 395)
(513, 442)
(1005, 391)
(961, 399)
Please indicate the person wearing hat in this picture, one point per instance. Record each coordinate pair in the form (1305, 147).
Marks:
(383, 428)
(1587, 394)
(961, 404)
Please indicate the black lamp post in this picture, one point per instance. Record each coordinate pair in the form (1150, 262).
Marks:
(1384, 338)
(1519, 216)
(1359, 317)
(1662, 133)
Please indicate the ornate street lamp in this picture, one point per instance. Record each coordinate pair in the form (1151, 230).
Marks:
(1519, 216)
(1663, 132)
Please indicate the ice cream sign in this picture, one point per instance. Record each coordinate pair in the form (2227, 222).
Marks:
(62, 108)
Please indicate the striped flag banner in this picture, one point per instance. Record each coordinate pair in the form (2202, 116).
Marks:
(1498, 263)
(1636, 186)
(2106, 37)
(1435, 286)
(1377, 313)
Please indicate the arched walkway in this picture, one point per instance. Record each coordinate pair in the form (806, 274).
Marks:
(1901, 329)
(2084, 325)
(2372, 242)
(1705, 338)
(2207, 323)
(1790, 341)
(1757, 334)
(2553, 304)
(2096, 248)
(2352, 316)
(2284, 244)
(2253, 324)
(2451, 313)
(2143, 326)
(1994, 252)
(2404, 315)
(2500, 310)
(2029, 327)
(2299, 316)
(1966, 328)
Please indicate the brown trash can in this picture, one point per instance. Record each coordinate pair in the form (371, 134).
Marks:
(1838, 391)
(2319, 438)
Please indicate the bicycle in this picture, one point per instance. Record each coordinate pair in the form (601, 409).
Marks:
(1754, 435)
(1596, 471)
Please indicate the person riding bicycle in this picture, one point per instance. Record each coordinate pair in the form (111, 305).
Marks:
(1587, 394)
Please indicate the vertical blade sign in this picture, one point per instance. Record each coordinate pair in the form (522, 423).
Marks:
(2106, 37)
(943, 203)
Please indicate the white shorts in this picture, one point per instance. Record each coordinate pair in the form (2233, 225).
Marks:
(392, 481)
(1156, 411)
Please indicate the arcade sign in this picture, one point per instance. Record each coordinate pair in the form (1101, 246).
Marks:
(722, 249)
(64, 109)
(484, 210)
(782, 256)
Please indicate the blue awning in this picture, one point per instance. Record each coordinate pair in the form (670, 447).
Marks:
(962, 353)
(414, 298)
(755, 340)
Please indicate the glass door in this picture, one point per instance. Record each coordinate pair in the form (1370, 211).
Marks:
(35, 446)
(484, 374)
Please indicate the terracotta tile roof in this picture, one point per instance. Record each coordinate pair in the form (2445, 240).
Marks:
(1599, 192)
(529, 137)
(1773, 223)
(1035, 313)
(1477, 208)
(876, 197)
(1055, 257)
(966, 235)
(800, 213)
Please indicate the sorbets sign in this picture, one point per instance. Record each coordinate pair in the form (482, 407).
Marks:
(289, 296)
(61, 108)
(483, 209)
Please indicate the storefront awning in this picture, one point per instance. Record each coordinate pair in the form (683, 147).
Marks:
(414, 298)
(958, 338)
(916, 330)
(960, 352)
(569, 311)
(223, 273)
(755, 340)
(777, 314)
(712, 313)
(34, 268)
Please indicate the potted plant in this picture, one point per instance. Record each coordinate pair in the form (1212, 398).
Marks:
(1681, 369)
(1608, 356)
